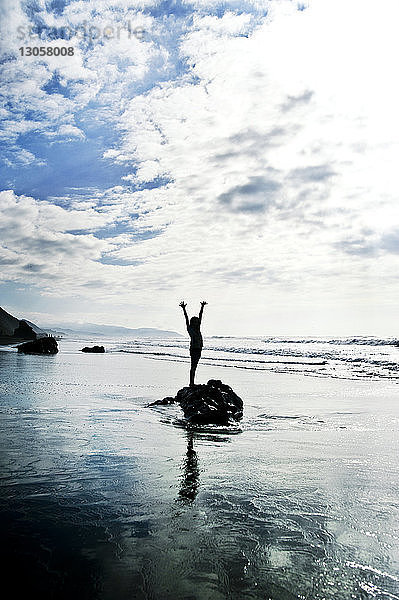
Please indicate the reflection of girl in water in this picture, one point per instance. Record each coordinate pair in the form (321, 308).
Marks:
(196, 343)
(190, 480)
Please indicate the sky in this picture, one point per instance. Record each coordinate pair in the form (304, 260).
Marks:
(242, 152)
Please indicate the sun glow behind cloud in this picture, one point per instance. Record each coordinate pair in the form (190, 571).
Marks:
(241, 151)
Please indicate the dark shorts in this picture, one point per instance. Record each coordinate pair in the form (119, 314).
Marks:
(195, 353)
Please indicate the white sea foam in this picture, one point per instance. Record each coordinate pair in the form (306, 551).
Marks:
(350, 357)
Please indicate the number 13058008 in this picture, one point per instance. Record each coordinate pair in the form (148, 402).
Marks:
(47, 51)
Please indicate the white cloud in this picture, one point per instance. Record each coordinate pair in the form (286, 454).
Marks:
(70, 131)
(35, 235)
(18, 157)
(276, 180)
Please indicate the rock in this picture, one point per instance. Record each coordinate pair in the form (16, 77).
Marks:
(163, 402)
(212, 403)
(44, 345)
(93, 349)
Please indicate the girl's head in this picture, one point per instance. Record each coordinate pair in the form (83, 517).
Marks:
(195, 322)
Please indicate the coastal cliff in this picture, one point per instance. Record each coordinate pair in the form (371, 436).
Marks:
(13, 330)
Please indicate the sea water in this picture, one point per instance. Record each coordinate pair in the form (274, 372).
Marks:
(104, 497)
(361, 357)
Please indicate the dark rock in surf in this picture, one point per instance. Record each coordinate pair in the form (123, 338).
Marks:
(44, 345)
(98, 349)
(163, 402)
(212, 403)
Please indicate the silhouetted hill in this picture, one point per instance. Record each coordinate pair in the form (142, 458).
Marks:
(8, 323)
(14, 330)
(93, 329)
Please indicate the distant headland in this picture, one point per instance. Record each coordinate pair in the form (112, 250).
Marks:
(14, 330)
(84, 330)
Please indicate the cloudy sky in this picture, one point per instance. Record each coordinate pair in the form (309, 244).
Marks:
(239, 151)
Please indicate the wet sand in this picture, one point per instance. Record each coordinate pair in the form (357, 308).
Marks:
(102, 497)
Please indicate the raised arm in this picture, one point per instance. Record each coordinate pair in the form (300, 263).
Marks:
(201, 310)
(183, 305)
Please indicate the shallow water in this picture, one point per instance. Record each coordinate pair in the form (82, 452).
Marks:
(346, 358)
(102, 497)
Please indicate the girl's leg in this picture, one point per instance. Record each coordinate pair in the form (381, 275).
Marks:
(194, 362)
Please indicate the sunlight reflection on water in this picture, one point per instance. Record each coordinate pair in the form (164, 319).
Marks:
(102, 497)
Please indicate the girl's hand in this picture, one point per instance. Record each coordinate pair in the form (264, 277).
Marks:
(203, 303)
(183, 304)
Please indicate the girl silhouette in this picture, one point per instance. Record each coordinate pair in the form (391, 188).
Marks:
(196, 343)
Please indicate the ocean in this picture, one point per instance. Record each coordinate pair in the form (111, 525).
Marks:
(361, 357)
(103, 497)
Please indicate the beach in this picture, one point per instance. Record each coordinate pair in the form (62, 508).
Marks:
(105, 497)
